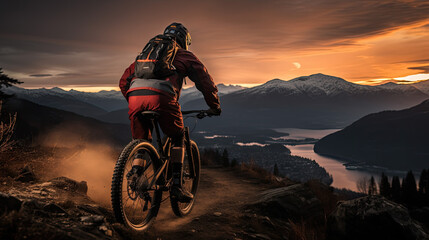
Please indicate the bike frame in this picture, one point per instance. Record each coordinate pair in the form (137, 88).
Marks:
(163, 150)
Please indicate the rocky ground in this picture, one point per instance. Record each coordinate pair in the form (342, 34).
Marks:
(60, 209)
(56, 209)
(231, 204)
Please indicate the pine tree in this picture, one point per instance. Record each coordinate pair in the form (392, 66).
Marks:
(6, 81)
(372, 188)
(276, 170)
(384, 186)
(409, 188)
(396, 189)
(225, 158)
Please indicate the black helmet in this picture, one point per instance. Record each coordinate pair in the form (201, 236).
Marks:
(181, 34)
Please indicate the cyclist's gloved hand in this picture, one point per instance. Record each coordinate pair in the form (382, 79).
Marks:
(214, 111)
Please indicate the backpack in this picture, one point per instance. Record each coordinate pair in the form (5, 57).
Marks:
(156, 59)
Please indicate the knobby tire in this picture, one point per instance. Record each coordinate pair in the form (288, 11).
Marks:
(117, 190)
(183, 209)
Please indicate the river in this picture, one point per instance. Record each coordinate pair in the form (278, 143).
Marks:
(342, 177)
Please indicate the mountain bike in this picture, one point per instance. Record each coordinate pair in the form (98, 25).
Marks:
(138, 207)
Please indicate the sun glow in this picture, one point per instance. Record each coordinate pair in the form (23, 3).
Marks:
(415, 77)
(91, 89)
(373, 82)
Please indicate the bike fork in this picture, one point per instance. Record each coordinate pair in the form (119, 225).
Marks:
(189, 151)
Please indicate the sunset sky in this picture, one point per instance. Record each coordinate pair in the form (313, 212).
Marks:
(87, 44)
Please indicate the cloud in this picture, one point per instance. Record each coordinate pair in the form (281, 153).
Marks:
(423, 69)
(41, 75)
(415, 77)
(415, 61)
(68, 74)
(282, 23)
(98, 41)
(297, 65)
(375, 82)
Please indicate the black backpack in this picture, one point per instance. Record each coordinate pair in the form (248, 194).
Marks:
(156, 59)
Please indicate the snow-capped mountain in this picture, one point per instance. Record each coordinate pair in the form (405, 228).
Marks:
(318, 85)
(108, 100)
(187, 94)
(192, 93)
(422, 86)
(225, 89)
(315, 101)
(100, 102)
(96, 103)
(103, 105)
(57, 98)
(313, 85)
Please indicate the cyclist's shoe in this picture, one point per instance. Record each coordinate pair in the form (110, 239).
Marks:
(181, 194)
(133, 175)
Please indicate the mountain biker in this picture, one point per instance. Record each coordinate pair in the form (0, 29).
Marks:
(162, 97)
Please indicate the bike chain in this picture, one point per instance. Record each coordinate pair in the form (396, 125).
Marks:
(165, 199)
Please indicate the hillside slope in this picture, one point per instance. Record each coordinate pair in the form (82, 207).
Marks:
(35, 121)
(394, 139)
(59, 99)
(231, 203)
(62, 208)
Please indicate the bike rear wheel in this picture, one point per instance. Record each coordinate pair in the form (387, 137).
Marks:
(136, 207)
(190, 183)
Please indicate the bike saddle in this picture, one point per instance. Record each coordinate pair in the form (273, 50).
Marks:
(150, 114)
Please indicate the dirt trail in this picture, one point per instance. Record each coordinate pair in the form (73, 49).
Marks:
(219, 212)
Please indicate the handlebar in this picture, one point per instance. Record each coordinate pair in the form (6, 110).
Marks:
(200, 113)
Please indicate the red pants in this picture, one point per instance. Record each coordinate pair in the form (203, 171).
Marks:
(170, 121)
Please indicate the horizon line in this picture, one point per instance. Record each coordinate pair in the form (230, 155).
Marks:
(371, 82)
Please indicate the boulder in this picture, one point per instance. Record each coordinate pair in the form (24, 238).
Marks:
(373, 217)
(9, 203)
(294, 202)
(70, 184)
(26, 174)
(54, 208)
(92, 219)
(31, 205)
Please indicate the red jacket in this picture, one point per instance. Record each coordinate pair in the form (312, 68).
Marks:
(187, 65)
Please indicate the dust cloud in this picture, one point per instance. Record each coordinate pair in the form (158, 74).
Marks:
(93, 164)
(83, 160)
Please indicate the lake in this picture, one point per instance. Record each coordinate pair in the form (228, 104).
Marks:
(343, 178)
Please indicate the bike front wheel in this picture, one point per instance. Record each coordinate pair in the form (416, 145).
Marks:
(190, 182)
(136, 204)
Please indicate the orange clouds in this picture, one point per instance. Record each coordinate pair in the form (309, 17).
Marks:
(81, 43)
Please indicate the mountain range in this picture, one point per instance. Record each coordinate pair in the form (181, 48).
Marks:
(83, 103)
(107, 106)
(315, 101)
(192, 93)
(393, 139)
(36, 123)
